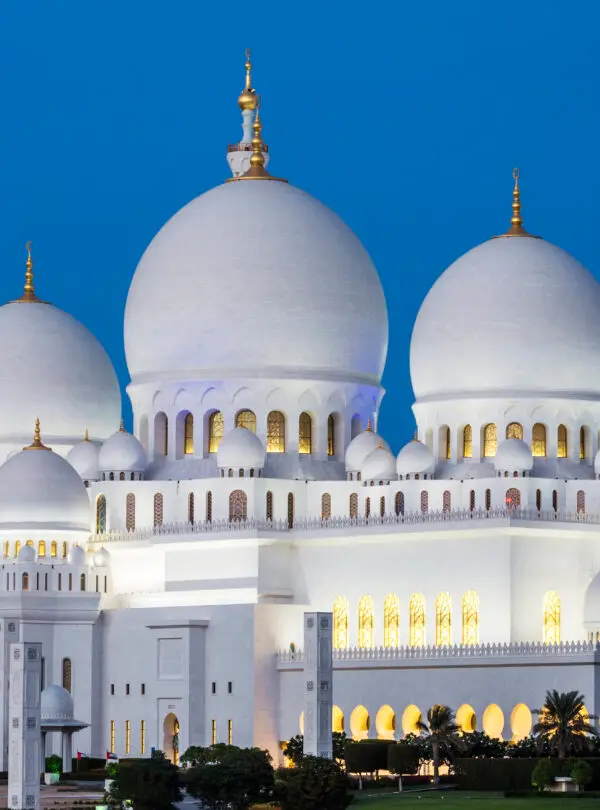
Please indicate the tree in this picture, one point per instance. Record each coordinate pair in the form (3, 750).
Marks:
(563, 724)
(543, 774)
(477, 744)
(527, 748)
(230, 777)
(294, 749)
(581, 772)
(442, 733)
(317, 784)
(150, 784)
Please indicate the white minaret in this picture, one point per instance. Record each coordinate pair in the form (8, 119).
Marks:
(318, 683)
(238, 154)
(24, 734)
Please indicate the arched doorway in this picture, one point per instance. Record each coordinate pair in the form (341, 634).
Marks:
(171, 738)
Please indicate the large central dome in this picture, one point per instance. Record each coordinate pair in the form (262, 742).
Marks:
(256, 279)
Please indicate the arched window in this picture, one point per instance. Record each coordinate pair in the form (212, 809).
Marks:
(246, 419)
(17, 547)
(209, 507)
(538, 500)
(238, 505)
(356, 426)
(340, 623)
(130, 512)
(121, 476)
(538, 440)
(325, 506)
(582, 443)
(514, 431)
(443, 620)
(216, 428)
(275, 432)
(111, 476)
(391, 621)
(365, 622)
(6, 548)
(305, 433)
(417, 620)
(513, 498)
(470, 618)
(561, 442)
(367, 507)
(331, 434)
(269, 506)
(354, 505)
(290, 510)
(472, 500)
(382, 506)
(581, 502)
(551, 618)
(399, 503)
(25, 582)
(53, 548)
(42, 548)
(446, 501)
(555, 500)
(191, 507)
(424, 501)
(82, 582)
(490, 441)
(467, 441)
(100, 514)
(488, 499)
(188, 434)
(158, 509)
(161, 434)
(67, 672)
(448, 448)
(64, 550)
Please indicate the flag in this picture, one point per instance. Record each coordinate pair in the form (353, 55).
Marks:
(110, 755)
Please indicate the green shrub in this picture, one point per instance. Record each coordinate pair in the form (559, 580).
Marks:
(151, 784)
(582, 772)
(317, 784)
(494, 774)
(403, 758)
(294, 748)
(231, 777)
(367, 756)
(54, 764)
(544, 772)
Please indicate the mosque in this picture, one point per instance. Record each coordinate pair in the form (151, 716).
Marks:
(166, 571)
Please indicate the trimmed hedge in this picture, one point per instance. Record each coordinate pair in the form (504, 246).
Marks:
(508, 774)
(403, 759)
(367, 756)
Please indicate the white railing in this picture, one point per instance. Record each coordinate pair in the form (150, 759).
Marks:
(521, 650)
(319, 524)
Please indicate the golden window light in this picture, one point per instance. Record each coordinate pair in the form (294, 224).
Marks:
(561, 448)
(551, 618)
(64, 550)
(17, 548)
(470, 618)
(127, 736)
(365, 622)
(143, 737)
(391, 621)
(467, 441)
(448, 447)
(538, 440)
(304, 433)
(100, 514)
(246, 419)
(130, 512)
(53, 548)
(238, 506)
(325, 506)
(30, 544)
(582, 443)
(216, 428)
(112, 736)
(490, 441)
(275, 432)
(331, 434)
(514, 431)
(213, 732)
(341, 609)
(6, 548)
(42, 548)
(188, 434)
(230, 732)
(443, 620)
(417, 620)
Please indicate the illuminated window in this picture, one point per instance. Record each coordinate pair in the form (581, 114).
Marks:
(246, 419)
(367, 507)
(365, 622)
(112, 736)
(238, 505)
(325, 506)
(143, 737)
(417, 620)
(354, 505)
(470, 618)
(66, 674)
(64, 550)
(424, 501)
(582, 447)
(399, 503)
(216, 428)
(213, 732)
(269, 509)
(490, 441)
(382, 506)
(551, 618)
(443, 620)
(290, 510)
(447, 448)
(191, 507)
(467, 441)
(188, 434)
(341, 608)
(304, 433)
(230, 732)
(42, 548)
(538, 500)
(17, 548)
(391, 621)
(6, 548)
(209, 507)
(581, 502)
(472, 500)
(130, 512)
(514, 431)
(513, 498)
(561, 435)
(538, 440)
(127, 736)
(275, 432)
(331, 434)
(100, 514)
(53, 548)
(446, 501)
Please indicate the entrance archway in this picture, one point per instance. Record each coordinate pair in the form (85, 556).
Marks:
(466, 718)
(171, 738)
(493, 721)
(520, 722)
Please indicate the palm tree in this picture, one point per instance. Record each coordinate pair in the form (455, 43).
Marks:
(441, 732)
(563, 723)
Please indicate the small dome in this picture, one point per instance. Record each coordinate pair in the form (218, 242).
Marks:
(512, 455)
(102, 558)
(77, 556)
(241, 449)
(122, 452)
(83, 457)
(415, 458)
(56, 704)
(360, 447)
(379, 465)
(27, 554)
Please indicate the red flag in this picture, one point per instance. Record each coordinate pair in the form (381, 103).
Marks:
(78, 755)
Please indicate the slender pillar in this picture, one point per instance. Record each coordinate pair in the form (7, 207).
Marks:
(24, 734)
(67, 749)
(318, 683)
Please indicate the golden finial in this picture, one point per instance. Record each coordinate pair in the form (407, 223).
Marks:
(257, 169)
(29, 295)
(248, 99)
(369, 427)
(516, 221)
(86, 438)
(37, 439)
(122, 426)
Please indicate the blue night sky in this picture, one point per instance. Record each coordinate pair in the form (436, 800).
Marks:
(405, 118)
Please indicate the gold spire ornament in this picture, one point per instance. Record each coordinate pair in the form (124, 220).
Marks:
(516, 221)
(248, 100)
(257, 169)
(122, 426)
(29, 295)
(369, 427)
(86, 438)
(37, 439)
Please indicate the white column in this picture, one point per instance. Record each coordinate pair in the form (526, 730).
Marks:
(24, 734)
(67, 749)
(318, 683)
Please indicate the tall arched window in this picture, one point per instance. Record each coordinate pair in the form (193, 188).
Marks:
(188, 435)
(551, 618)
(67, 672)
(331, 434)
(158, 509)
(472, 500)
(209, 507)
(443, 620)
(470, 618)
(538, 440)
(354, 505)
(53, 548)
(581, 502)
(488, 499)
(238, 505)
(391, 621)
(100, 514)
(555, 500)
(161, 434)
(367, 507)
(399, 503)
(130, 512)
(424, 501)
(42, 548)
(246, 419)
(64, 550)
(446, 501)
(191, 507)
(269, 505)
(290, 510)
(582, 443)
(490, 441)
(25, 581)
(340, 623)
(448, 447)
(325, 506)
(82, 582)
(365, 622)
(561, 442)
(513, 498)
(216, 428)
(417, 620)
(538, 500)
(305, 433)
(275, 432)
(382, 506)
(514, 431)
(467, 441)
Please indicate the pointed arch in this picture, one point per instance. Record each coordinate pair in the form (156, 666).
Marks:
(354, 505)
(399, 503)
(561, 442)
(41, 548)
(514, 430)
(356, 426)
(513, 498)
(188, 435)
(191, 507)
(582, 443)
(67, 674)
(472, 500)
(424, 501)
(467, 444)
(269, 505)
(305, 433)
(580, 502)
(391, 620)
(238, 506)
(551, 618)
(447, 501)
(158, 509)
(216, 429)
(161, 434)
(130, 512)
(365, 622)
(100, 514)
(209, 500)
(367, 507)
(538, 500)
(290, 510)
(275, 432)
(246, 419)
(490, 440)
(470, 618)
(341, 608)
(443, 620)
(538, 440)
(488, 499)
(382, 506)
(331, 430)
(417, 620)
(325, 506)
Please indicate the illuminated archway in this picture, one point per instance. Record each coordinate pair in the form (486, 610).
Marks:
(171, 738)
(301, 722)
(385, 723)
(466, 719)
(337, 719)
(359, 723)
(411, 716)
(521, 722)
(493, 721)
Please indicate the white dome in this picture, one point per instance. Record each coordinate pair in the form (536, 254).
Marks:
(77, 556)
(51, 367)
(379, 465)
(497, 320)
(83, 457)
(56, 704)
(240, 448)
(102, 558)
(415, 458)
(360, 447)
(40, 490)
(513, 455)
(122, 452)
(26, 554)
(256, 279)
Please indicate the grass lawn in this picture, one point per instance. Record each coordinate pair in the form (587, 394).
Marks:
(461, 801)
